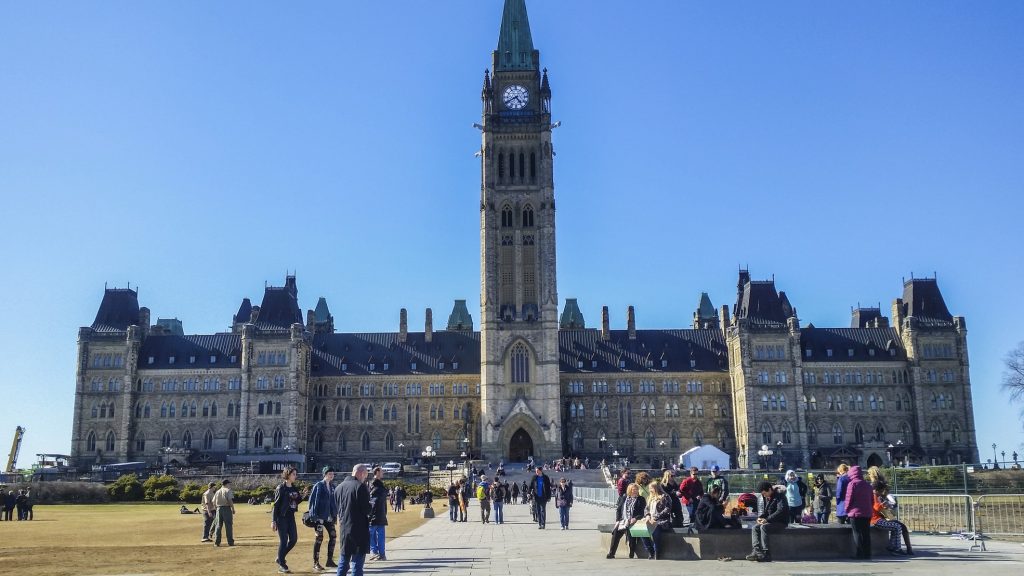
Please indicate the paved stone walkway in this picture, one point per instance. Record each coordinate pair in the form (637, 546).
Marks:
(519, 548)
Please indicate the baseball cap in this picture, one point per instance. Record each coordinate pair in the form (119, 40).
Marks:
(715, 468)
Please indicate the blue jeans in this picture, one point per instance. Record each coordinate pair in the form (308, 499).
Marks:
(377, 540)
(453, 511)
(651, 544)
(821, 517)
(541, 506)
(563, 516)
(287, 534)
(499, 515)
(356, 561)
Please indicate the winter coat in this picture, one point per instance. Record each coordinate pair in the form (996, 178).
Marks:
(634, 508)
(660, 509)
(859, 495)
(718, 481)
(353, 516)
(822, 498)
(793, 497)
(563, 495)
(545, 494)
(378, 503)
(841, 484)
(709, 514)
(775, 509)
(690, 490)
(286, 501)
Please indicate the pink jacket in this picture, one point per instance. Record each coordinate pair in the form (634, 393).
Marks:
(859, 495)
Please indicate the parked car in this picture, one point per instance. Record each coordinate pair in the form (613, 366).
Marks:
(391, 468)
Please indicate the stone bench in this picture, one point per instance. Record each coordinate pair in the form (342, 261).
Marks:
(796, 542)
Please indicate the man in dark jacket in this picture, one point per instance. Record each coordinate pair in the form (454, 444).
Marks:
(710, 512)
(514, 491)
(353, 500)
(773, 517)
(540, 490)
(378, 514)
(323, 510)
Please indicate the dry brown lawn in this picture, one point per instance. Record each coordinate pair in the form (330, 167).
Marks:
(137, 539)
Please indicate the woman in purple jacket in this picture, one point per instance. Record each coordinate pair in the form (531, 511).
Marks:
(841, 482)
(859, 500)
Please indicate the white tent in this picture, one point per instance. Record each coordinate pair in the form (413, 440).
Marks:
(704, 457)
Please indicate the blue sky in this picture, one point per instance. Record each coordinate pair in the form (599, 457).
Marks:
(200, 149)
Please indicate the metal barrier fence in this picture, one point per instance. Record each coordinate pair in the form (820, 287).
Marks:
(607, 497)
(1000, 514)
(936, 513)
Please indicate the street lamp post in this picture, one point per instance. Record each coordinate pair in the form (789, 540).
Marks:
(604, 446)
(1002, 454)
(995, 460)
(661, 445)
(401, 451)
(451, 468)
(778, 454)
(465, 447)
(765, 454)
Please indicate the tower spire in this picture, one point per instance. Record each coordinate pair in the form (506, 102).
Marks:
(515, 43)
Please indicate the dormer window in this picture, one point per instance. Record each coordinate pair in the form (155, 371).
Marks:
(344, 367)
(593, 363)
(693, 363)
(213, 359)
(828, 352)
(440, 365)
(871, 352)
(151, 360)
(412, 365)
(664, 363)
(622, 364)
(373, 366)
(579, 364)
(455, 365)
(234, 358)
(807, 353)
(170, 359)
(386, 366)
(849, 352)
(191, 359)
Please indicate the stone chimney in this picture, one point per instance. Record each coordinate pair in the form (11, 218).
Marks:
(631, 323)
(724, 318)
(605, 332)
(255, 314)
(310, 320)
(403, 325)
(428, 329)
(144, 321)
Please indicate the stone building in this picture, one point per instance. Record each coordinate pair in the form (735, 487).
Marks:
(280, 386)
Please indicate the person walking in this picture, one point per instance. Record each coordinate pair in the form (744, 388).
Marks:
(323, 511)
(563, 501)
(465, 493)
(400, 497)
(378, 515)
(282, 519)
(634, 507)
(499, 491)
(353, 501)
(483, 496)
(859, 499)
(224, 500)
(524, 492)
(514, 493)
(209, 510)
(822, 503)
(841, 482)
(794, 499)
(540, 491)
(773, 517)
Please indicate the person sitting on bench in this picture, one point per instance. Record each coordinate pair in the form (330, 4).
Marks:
(774, 517)
(711, 512)
(634, 507)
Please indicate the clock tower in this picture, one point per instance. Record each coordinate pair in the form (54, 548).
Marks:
(520, 415)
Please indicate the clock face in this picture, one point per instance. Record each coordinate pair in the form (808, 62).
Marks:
(515, 97)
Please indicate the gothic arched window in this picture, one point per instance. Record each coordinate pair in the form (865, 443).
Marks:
(233, 440)
(186, 439)
(342, 442)
(318, 442)
(389, 442)
(165, 440)
(208, 440)
(365, 442)
(528, 217)
(507, 220)
(278, 438)
(533, 166)
(90, 442)
(257, 439)
(110, 442)
(520, 363)
(837, 433)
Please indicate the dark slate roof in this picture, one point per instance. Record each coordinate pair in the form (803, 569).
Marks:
(841, 340)
(645, 353)
(572, 317)
(118, 310)
(202, 346)
(761, 305)
(865, 317)
(514, 38)
(244, 313)
(706, 310)
(460, 318)
(321, 313)
(923, 300)
(279, 310)
(358, 351)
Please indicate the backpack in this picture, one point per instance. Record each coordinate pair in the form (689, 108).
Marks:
(481, 494)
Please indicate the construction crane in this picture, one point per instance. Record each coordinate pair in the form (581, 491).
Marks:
(19, 433)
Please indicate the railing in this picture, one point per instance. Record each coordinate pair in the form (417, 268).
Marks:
(1000, 514)
(606, 497)
(936, 513)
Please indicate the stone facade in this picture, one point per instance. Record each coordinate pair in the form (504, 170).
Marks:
(281, 387)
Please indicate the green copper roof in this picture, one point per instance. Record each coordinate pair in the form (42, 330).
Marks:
(572, 318)
(706, 310)
(321, 313)
(515, 43)
(460, 319)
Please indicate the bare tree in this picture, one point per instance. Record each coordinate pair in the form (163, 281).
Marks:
(1013, 377)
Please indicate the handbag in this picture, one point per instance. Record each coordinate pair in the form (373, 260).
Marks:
(640, 530)
(308, 520)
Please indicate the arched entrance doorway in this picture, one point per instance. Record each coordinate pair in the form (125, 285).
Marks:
(874, 460)
(520, 448)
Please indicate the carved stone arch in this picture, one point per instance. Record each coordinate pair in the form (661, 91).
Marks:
(521, 420)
